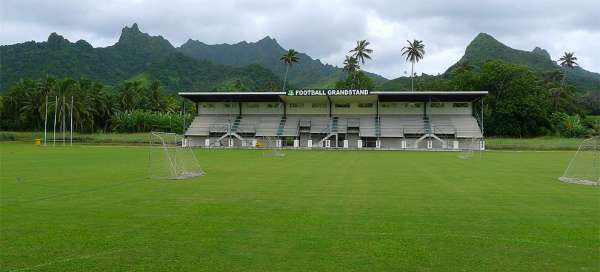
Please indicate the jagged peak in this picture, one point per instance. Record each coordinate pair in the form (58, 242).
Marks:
(53, 38)
(542, 52)
(485, 38)
(267, 39)
(133, 35)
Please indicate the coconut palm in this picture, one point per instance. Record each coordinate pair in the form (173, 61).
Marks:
(567, 61)
(413, 52)
(361, 52)
(351, 65)
(289, 58)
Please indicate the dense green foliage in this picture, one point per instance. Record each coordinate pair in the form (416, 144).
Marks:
(132, 106)
(356, 80)
(136, 54)
(520, 102)
(91, 208)
(143, 121)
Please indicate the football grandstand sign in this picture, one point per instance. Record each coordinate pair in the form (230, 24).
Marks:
(327, 92)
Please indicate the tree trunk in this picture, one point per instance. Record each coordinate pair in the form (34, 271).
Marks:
(412, 76)
(287, 68)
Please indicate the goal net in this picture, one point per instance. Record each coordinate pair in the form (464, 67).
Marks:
(584, 166)
(468, 149)
(272, 146)
(169, 157)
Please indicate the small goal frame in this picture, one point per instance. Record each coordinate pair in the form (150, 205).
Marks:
(180, 160)
(593, 177)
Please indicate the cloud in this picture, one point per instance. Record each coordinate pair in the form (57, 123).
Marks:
(323, 29)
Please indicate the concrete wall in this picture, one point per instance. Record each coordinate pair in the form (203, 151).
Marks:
(400, 108)
(354, 108)
(308, 108)
(262, 108)
(319, 108)
(218, 108)
(449, 108)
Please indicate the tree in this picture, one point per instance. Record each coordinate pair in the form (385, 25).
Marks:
(351, 65)
(567, 61)
(289, 58)
(517, 104)
(358, 80)
(361, 53)
(413, 52)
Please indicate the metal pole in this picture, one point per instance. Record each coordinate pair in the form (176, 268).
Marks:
(71, 111)
(46, 120)
(482, 117)
(55, 111)
(64, 125)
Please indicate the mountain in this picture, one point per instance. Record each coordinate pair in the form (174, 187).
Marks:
(307, 73)
(135, 55)
(485, 47)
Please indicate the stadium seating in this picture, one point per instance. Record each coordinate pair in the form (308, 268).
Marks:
(368, 126)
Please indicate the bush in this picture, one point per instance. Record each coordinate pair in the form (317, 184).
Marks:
(569, 125)
(144, 121)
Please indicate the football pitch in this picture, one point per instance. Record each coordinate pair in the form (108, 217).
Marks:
(91, 208)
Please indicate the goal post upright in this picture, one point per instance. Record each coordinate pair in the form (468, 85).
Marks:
(176, 160)
(583, 168)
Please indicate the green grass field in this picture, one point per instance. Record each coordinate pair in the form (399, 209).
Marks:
(88, 208)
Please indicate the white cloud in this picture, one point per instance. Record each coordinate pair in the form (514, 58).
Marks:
(323, 29)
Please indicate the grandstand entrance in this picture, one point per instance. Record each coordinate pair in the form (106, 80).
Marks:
(345, 119)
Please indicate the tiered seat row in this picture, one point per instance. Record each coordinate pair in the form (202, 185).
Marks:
(400, 125)
(462, 126)
(202, 125)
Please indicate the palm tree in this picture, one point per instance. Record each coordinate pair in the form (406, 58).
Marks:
(413, 52)
(351, 65)
(289, 58)
(361, 53)
(567, 61)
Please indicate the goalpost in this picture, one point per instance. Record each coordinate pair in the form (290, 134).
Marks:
(468, 151)
(169, 157)
(584, 167)
(272, 146)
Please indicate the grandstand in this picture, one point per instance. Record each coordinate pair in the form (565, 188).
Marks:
(337, 119)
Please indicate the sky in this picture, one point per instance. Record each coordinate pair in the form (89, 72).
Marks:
(325, 29)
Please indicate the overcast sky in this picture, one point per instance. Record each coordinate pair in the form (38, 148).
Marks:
(323, 29)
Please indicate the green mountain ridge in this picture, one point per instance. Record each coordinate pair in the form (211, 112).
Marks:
(307, 73)
(135, 55)
(244, 66)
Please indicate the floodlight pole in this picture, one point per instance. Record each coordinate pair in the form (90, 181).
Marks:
(55, 111)
(64, 125)
(482, 129)
(46, 120)
(71, 111)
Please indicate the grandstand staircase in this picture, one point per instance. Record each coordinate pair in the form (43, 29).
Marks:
(281, 126)
(377, 127)
(333, 130)
(236, 124)
(232, 131)
(428, 131)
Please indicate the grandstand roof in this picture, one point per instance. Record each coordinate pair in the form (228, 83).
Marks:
(211, 96)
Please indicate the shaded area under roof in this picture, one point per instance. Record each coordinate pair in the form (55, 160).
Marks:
(383, 96)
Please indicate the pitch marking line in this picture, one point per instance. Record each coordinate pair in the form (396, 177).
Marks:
(89, 256)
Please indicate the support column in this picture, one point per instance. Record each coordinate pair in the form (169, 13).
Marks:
(329, 99)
